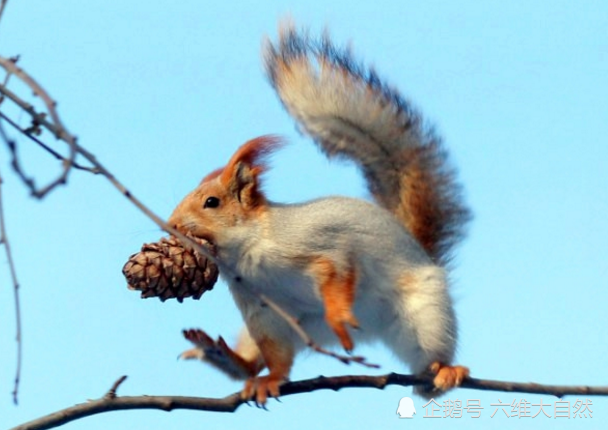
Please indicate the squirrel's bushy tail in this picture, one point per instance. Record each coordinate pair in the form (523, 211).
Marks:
(350, 113)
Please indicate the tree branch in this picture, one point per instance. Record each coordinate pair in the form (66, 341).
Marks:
(233, 402)
(12, 69)
(11, 264)
(44, 146)
(38, 119)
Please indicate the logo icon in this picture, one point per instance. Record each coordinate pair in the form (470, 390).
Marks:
(406, 408)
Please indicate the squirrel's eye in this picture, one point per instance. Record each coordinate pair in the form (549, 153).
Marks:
(211, 202)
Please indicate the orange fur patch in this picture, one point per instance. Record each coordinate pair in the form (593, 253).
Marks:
(429, 205)
(338, 293)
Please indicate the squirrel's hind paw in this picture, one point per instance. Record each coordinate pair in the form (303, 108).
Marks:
(445, 378)
(260, 388)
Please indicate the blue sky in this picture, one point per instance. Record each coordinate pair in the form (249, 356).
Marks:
(163, 92)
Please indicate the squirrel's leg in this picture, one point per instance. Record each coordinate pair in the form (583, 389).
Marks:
(243, 363)
(250, 357)
(425, 335)
(337, 290)
(272, 338)
(278, 357)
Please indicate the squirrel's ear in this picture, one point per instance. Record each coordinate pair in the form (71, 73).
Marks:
(242, 174)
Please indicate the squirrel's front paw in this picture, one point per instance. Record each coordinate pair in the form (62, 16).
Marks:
(218, 354)
(203, 343)
(260, 388)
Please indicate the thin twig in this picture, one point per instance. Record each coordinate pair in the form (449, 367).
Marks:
(39, 119)
(11, 264)
(61, 133)
(231, 403)
(47, 148)
(11, 67)
(16, 164)
(2, 6)
(7, 77)
(111, 394)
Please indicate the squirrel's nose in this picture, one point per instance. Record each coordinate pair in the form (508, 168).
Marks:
(173, 222)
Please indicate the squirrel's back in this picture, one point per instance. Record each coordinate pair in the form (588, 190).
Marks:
(350, 113)
(338, 223)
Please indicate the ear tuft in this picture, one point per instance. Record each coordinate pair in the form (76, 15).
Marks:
(256, 151)
(241, 174)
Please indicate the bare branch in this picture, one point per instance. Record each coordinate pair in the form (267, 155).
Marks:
(111, 394)
(57, 128)
(15, 164)
(39, 119)
(534, 388)
(44, 146)
(11, 265)
(11, 67)
(7, 77)
(231, 403)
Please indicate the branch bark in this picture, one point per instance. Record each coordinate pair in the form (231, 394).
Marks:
(232, 402)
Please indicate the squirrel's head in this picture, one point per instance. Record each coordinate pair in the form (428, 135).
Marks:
(229, 196)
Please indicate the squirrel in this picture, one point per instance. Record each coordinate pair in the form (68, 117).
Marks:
(345, 269)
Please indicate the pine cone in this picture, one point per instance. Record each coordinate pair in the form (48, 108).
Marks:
(166, 270)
